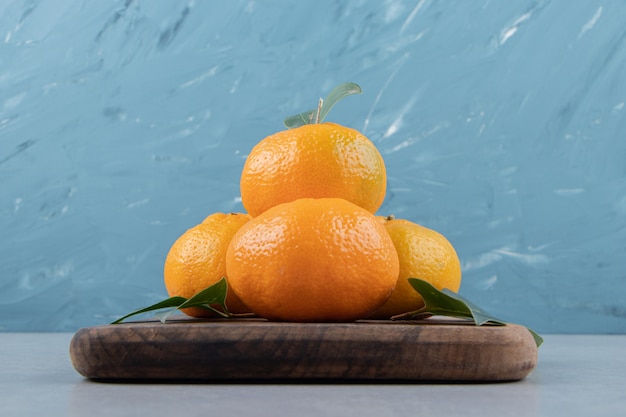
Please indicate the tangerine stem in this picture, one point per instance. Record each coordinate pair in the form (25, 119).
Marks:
(318, 115)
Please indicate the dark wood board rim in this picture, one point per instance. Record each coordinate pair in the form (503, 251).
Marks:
(443, 350)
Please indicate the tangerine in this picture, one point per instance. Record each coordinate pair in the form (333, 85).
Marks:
(311, 260)
(425, 254)
(313, 161)
(197, 259)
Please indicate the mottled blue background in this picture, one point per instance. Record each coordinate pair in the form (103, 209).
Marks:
(123, 123)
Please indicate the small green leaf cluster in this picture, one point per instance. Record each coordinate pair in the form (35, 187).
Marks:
(450, 304)
(318, 115)
(212, 298)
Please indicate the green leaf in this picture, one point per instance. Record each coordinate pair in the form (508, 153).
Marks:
(167, 303)
(318, 115)
(337, 94)
(298, 120)
(209, 298)
(450, 304)
(212, 296)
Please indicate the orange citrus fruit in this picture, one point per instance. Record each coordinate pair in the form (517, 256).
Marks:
(197, 259)
(313, 161)
(424, 254)
(313, 260)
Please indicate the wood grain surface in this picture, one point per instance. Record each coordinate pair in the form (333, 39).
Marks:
(255, 349)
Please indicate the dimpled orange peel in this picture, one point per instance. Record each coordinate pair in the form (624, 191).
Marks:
(311, 260)
(313, 161)
(423, 253)
(197, 259)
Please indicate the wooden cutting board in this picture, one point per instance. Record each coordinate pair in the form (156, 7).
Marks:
(255, 349)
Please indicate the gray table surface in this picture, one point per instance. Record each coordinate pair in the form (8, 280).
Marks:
(577, 375)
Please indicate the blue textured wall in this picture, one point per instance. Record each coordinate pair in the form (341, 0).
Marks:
(503, 125)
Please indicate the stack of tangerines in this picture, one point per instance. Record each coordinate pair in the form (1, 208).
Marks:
(311, 247)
